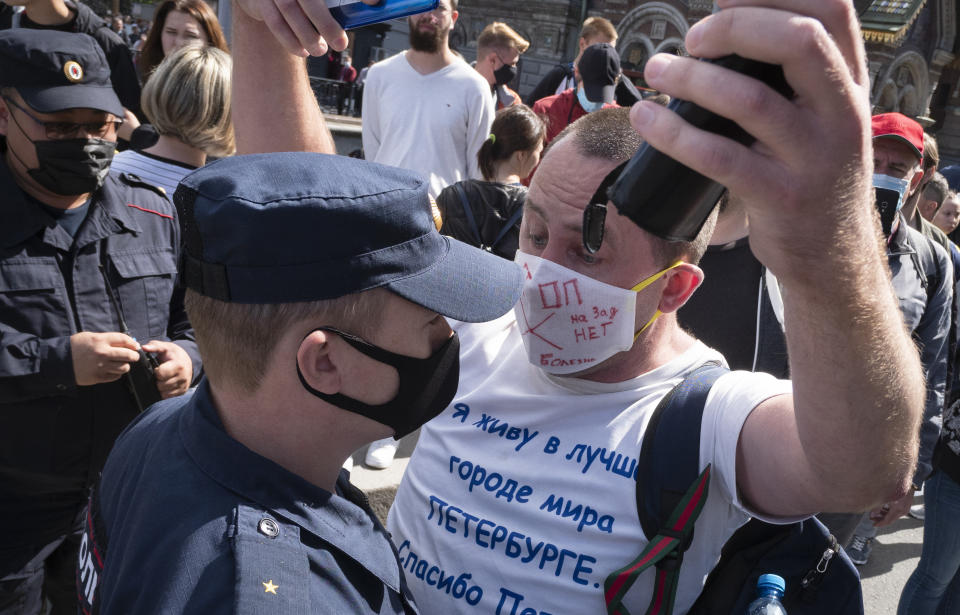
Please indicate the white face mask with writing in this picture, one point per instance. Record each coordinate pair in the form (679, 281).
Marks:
(570, 322)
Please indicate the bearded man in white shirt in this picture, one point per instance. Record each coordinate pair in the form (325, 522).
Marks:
(425, 109)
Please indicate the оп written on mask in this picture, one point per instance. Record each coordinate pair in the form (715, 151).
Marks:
(569, 321)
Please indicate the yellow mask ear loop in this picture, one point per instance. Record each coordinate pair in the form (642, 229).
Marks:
(645, 283)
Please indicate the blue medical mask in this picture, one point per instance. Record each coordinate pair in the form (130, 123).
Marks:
(890, 194)
(588, 105)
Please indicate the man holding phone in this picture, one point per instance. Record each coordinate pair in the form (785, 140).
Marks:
(525, 485)
(781, 451)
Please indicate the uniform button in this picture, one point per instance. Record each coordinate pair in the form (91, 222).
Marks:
(61, 387)
(269, 528)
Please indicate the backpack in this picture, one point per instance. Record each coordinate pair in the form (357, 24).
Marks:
(671, 492)
(468, 211)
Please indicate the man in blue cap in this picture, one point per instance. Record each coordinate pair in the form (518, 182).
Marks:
(87, 268)
(479, 518)
(75, 16)
(317, 286)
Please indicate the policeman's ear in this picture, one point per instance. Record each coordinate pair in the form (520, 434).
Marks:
(681, 282)
(317, 359)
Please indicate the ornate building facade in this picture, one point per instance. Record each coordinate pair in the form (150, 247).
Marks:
(912, 46)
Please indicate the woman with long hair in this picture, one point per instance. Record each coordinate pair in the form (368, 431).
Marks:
(487, 213)
(177, 23)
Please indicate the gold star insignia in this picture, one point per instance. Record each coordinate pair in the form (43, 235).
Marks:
(270, 588)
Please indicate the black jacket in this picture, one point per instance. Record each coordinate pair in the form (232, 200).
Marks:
(492, 205)
(55, 435)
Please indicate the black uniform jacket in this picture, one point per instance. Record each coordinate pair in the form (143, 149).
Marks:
(54, 435)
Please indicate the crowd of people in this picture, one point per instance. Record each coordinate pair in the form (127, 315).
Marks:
(205, 311)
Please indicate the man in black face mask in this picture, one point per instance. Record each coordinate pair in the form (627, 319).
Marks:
(317, 285)
(499, 48)
(87, 268)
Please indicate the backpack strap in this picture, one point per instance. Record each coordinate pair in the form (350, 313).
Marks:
(670, 492)
(512, 220)
(468, 211)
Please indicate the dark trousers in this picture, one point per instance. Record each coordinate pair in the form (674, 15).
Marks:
(344, 97)
(50, 575)
(358, 101)
(842, 525)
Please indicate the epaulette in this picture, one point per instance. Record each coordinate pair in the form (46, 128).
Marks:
(137, 182)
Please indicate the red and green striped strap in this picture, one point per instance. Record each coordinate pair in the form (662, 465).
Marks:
(681, 523)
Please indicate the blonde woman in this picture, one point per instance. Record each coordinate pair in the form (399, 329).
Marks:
(187, 100)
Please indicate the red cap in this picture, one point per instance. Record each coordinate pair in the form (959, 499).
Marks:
(899, 126)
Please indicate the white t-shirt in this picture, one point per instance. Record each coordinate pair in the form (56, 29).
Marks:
(523, 489)
(433, 124)
(155, 170)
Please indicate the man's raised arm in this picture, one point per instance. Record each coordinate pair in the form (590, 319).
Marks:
(274, 109)
(847, 439)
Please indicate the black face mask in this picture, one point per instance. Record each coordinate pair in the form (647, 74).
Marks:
(427, 386)
(72, 166)
(504, 75)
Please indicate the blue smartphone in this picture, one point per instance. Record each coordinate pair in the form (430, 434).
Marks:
(354, 14)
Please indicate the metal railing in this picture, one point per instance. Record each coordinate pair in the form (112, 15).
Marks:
(335, 96)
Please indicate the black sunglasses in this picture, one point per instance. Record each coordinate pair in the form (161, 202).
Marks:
(595, 215)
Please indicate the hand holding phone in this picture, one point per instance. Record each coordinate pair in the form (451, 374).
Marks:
(307, 27)
(354, 13)
(302, 28)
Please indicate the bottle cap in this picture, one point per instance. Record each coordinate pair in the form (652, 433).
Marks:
(771, 581)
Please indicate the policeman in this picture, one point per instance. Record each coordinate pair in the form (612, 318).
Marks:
(316, 284)
(75, 16)
(88, 263)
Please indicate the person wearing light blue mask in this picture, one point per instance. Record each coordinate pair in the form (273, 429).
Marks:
(922, 277)
(599, 72)
(588, 105)
(599, 69)
(897, 157)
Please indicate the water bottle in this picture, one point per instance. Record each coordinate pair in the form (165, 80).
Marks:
(770, 588)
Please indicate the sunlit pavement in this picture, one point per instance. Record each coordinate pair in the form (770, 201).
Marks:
(896, 552)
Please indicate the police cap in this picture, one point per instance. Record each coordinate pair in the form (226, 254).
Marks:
(54, 71)
(294, 227)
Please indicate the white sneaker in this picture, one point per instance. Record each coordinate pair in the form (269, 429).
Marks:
(380, 453)
(348, 464)
(917, 511)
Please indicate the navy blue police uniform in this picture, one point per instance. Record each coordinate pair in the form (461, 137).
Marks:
(186, 518)
(55, 435)
(236, 533)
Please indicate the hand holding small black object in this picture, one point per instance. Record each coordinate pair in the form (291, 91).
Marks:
(669, 199)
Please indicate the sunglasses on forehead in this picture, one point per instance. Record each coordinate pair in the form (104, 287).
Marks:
(595, 215)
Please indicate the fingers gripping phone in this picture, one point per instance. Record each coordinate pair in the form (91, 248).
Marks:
(355, 14)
